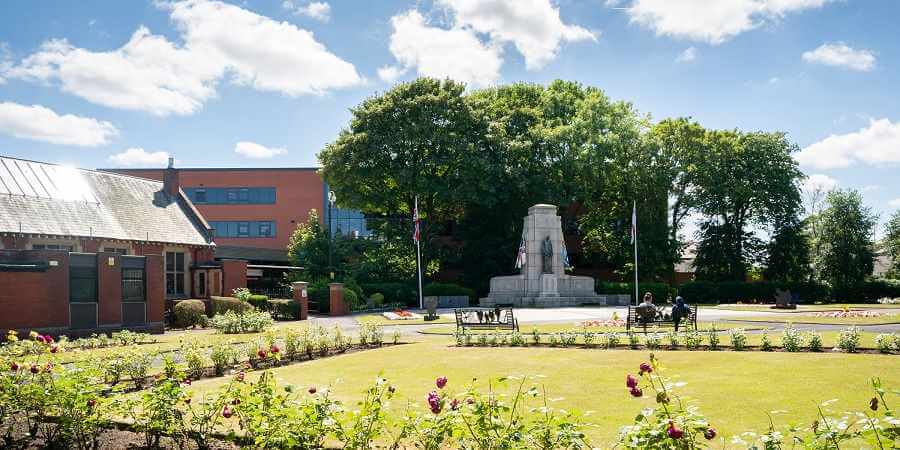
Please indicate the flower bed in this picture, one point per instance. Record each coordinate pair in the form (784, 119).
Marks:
(611, 323)
(850, 314)
(401, 314)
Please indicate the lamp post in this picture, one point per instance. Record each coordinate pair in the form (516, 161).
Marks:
(331, 199)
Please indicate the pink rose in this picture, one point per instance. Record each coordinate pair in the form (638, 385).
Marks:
(441, 382)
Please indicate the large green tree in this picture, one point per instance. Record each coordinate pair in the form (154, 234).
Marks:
(743, 181)
(892, 244)
(787, 254)
(847, 227)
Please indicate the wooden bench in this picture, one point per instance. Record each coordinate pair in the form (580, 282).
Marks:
(660, 317)
(486, 319)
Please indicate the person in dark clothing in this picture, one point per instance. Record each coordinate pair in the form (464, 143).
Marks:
(679, 311)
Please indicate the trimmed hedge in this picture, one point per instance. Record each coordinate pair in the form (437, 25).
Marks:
(285, 309)
(447, 289)
(394, 292)
(221, 305)
(661, 291)
(352, 300)
(189, 313)
(707, 292)
(868, 291)
(260, 302)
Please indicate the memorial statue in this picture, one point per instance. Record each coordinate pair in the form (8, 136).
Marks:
(547, 252)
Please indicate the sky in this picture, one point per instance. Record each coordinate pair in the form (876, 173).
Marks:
(268, 83)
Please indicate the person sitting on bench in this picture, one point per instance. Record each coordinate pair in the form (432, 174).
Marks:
(679, 311)
(646, 310)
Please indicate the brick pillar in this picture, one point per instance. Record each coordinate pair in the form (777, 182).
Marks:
(301, 298)
(336, 300)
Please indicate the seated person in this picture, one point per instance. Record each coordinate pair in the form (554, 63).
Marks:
(679, 311)
(646, 310)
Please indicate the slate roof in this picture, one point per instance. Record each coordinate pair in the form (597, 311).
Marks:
(47, 199)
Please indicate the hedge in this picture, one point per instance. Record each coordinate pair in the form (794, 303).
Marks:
(221, 305)
(707, 292)
(260, 302)
(285, 309)
(447, 289)
(661, 291)
(189, 313)
(394, 292)
(869, 291)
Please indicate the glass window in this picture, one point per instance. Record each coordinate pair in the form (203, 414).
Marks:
(200, 196)
(243, 229)
(231, 195)
(133, 285)
(67, 248)
(201, 282)
(174, 274)
(265, 229)
(121, 251)
(83, 278)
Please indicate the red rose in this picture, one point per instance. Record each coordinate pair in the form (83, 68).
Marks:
(645, 368)
(274, 349)
(441, 382)
(226, 412)
(236, 402)
(873, 404)
(674, 432)
(312, 389)
(631, 381)
(35, 369)
(14, 367)
(261, 353)
(710, 433)
(91, 403)
(636, 392)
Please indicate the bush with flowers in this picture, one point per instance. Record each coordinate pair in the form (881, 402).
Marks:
(247, 322)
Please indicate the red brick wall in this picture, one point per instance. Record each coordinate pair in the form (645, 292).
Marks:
(156, 288)
(296, 192)
(35, 299)
(234, 274)
(109, 280)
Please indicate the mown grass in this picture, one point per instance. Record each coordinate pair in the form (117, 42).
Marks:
(735, 390)
(577, 326)
(378, 319)
(886, 319)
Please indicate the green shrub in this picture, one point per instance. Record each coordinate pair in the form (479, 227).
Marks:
(868, 291)
(707, 292)
(353, 300)
(319, 296)
(260, 302)
(248, 322)
(221, 305)
(285, 309)
(377, 299)
(447, 289)
(405, 293)
(661, 291)
(189, 313)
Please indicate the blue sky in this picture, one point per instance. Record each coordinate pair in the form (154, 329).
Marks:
(270, 82)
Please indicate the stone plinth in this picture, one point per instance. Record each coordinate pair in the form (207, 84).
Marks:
(533, 287)
(300, 296)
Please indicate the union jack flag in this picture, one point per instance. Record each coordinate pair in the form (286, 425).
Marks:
(521, 255)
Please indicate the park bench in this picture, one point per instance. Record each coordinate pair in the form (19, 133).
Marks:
(486, 319)
(641, 316)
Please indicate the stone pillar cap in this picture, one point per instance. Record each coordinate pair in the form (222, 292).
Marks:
(335, 284)
(297, 283)
(542, 209)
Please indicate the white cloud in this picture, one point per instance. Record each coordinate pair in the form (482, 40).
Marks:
(435, 52)
(871, 188)
(257, 151)
(819, 182)
(895, 203)
(317, 10)
(533, 26)
(39, 123)
(390, 74)
(689, 54)
(150, 73)
(877, 144)
(708, 21)
(138, 157)
(841, 55)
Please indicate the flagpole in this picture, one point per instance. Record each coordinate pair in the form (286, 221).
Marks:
(419, 255)
(634, 226)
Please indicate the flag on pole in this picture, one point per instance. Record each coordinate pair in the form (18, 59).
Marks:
(416, 221)
(564, 256)
(521, 255)
(634, 222)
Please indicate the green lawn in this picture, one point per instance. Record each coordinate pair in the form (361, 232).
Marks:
(735, 390)
(809, 318)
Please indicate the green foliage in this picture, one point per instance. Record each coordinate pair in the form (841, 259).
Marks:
(189, 313)
(447, 289)
(892, 244)
(849, 338)
(787, 254)
(260, 302)
(285, 309)
(705, 292)
(248, 322)
(404, 293)
(352, 299)
(242, 294)
(662, 292)
(847, 226)
(221, 305)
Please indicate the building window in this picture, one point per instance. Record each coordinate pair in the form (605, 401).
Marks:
(83, 278)
(243, 228)
(63, 247)
(231, 195)
(133, 285)
(174, 274)
(201, 284)
(121, 251)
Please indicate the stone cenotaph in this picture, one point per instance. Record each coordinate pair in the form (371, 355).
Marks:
(542, 281)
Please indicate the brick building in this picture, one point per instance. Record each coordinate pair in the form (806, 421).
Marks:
(254, 211)
(82, 249)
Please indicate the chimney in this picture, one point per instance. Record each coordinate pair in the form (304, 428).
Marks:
(171, 183)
